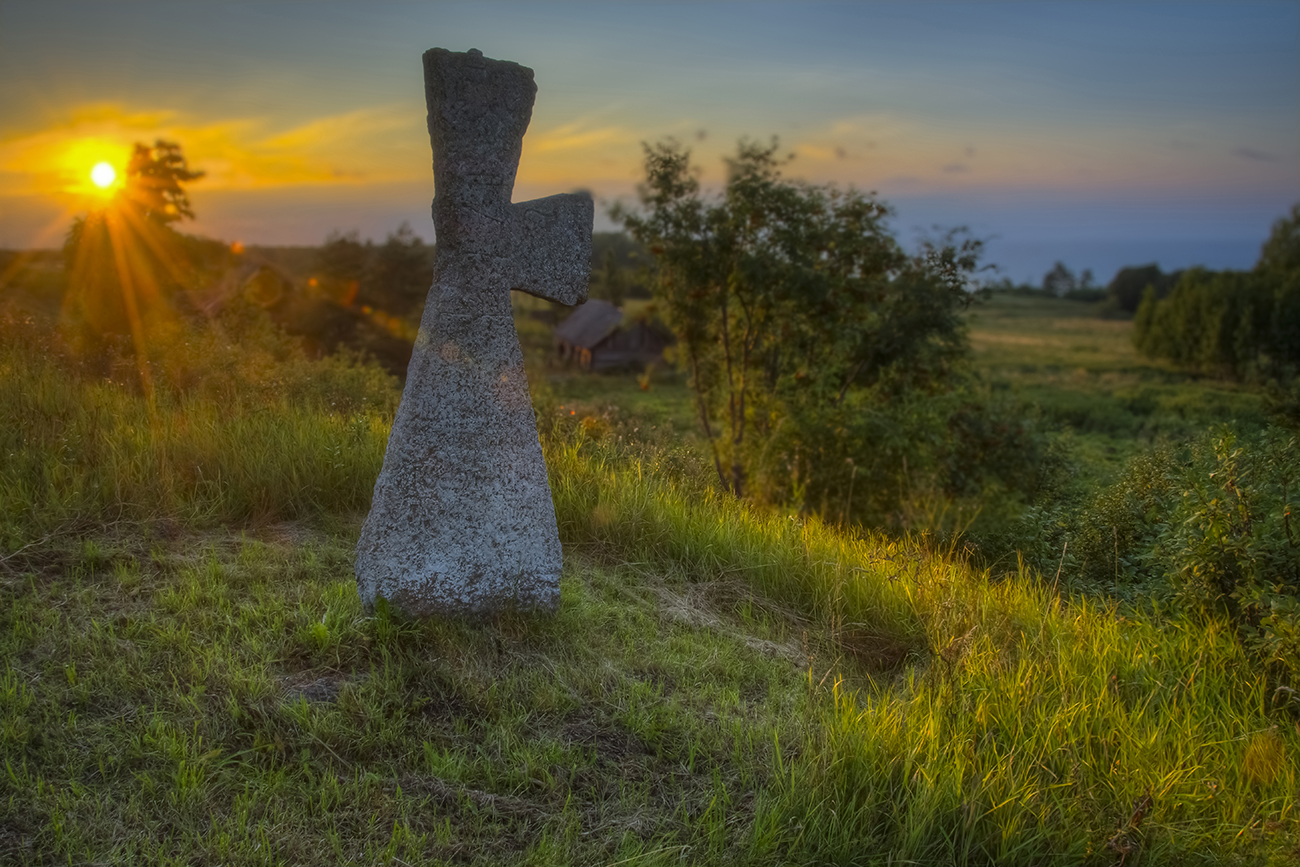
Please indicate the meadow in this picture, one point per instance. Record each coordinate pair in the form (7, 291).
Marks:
(1082, 370)
(190, 678)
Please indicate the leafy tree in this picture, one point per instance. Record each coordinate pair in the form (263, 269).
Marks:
(1280, 254)
(1129, 284)
(343, 260)
(1060, 280)
(1217, 322)
(154, 178)
(1238, 323)
(1278, 269)
(399, 273)
(790, 301)
(609, 281)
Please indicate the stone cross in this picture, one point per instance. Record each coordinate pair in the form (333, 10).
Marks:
(462, 520)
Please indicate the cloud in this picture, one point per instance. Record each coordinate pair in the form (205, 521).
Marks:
(371, 145)
(818, 152)
(955, 168)
(578, 136)
(1254, 155)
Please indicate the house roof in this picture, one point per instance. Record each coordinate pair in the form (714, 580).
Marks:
(589, 324)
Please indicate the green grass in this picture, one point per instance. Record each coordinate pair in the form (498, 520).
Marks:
(190, 678)
(1084, 373)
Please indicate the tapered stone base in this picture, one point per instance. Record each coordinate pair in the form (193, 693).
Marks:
(462, 521)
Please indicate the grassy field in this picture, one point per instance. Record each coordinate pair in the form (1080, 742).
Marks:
(190, 678)
(1078, 369)
(1082, 371)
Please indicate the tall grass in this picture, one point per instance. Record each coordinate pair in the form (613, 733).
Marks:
(1003, 725)
(619, 508)
(79, 450)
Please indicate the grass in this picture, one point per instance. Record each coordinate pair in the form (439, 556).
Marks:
(1084, 373)
(190, 678)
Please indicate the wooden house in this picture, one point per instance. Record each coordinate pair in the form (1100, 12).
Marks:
(596, 336)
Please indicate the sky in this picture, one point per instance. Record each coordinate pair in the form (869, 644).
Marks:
(1099, 134)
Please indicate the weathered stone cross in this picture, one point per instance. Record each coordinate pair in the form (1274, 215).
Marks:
(462, 520)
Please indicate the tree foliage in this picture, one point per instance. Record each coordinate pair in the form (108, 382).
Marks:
(791, 301)
(154, 182)
(1130, 284)
(1062, 282)
(392, 277)
(1235, 323)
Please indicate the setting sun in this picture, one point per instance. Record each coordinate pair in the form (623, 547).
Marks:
(103, 175)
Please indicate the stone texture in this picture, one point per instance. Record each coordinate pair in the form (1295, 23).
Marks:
(462, 520)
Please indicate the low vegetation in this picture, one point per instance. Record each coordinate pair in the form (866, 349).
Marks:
(191, 678)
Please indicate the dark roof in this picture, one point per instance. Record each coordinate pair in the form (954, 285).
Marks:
(589, 324)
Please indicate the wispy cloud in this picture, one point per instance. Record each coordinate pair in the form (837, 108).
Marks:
(1254, 155)
(578, 136)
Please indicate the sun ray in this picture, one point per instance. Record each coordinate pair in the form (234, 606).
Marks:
(126, 276)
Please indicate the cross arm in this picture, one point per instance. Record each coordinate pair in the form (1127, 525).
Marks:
(552, 247)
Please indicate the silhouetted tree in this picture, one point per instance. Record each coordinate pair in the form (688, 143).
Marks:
(399, 273)
(154, 179)
(125, 260)
(1278, 269)
(342, 261)
(1060, 280)
(1125, 291)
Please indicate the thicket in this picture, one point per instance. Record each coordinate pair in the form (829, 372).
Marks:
(1129, 286)
(392, 277)
(1209, 529)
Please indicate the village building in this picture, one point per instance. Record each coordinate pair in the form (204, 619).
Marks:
(596, 336)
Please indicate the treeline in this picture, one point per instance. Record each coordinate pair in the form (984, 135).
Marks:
(1122, 295)
(1238, 324)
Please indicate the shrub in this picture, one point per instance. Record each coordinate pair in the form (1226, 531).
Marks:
(1232, 544)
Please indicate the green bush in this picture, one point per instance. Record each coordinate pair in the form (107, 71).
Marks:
(1106, 545)
(1208, 527)
(1232, 544)
(969, 459)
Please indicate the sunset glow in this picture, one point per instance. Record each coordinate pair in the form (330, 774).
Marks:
(956, 114)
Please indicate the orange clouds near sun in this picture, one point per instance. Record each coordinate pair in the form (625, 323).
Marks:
(371, 145)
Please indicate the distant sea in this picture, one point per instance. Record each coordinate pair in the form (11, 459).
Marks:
(1026, 261)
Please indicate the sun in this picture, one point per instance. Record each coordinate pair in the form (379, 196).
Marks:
(103, 175)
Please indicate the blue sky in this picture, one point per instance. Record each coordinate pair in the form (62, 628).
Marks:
(1097, 133)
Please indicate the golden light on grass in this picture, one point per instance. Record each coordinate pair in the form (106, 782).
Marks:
(103, 175)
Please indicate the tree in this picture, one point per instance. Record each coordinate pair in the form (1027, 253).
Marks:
(398, 276)
(343, 260)
(1130, 284)
(789, 299)
(1237, 323)
(1278, 269)
(154, 177)
(125, 260)
(1060, 280)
